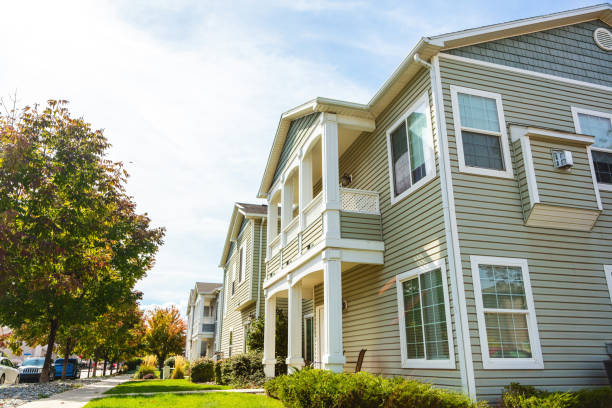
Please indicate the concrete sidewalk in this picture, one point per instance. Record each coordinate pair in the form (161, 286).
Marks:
(78, 397)
(259, 391)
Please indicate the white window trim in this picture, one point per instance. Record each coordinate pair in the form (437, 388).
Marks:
(536, 361)
(502, 134)
(242, 263)
(575, 111)
(608, 272)
(423, 363)
(308, 316)
(428, 147)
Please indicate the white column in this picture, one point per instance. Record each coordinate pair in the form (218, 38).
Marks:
(272, 221)
(331, 177)
(305, 185)
(294, 320)
(287, 208)
(333, 359)
(269, 359)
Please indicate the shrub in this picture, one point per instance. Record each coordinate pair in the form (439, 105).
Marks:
(218, 372)
(202, 370)
(150, 361)
(178, 373)
(144, 371)
(243, 370)
(521, 396)
(133, 363)
(320, 388)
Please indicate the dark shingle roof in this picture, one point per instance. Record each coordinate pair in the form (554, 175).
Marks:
(207, 287)
(253, 208)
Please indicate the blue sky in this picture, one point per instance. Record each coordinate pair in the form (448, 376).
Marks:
(190, 92)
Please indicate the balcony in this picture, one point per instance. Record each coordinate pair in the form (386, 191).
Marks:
(359, 220)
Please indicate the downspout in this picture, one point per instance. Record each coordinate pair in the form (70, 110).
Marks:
(258, 305)
(467, 376)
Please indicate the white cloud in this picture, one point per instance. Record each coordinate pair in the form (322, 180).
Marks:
(193, 122)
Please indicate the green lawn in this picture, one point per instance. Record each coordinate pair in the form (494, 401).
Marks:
(211, 400)
(161, 386)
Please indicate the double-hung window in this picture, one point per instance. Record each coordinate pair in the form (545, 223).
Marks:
(424, 318)
(506, 314)
(480, 130)
(410, 150)
(599, 125)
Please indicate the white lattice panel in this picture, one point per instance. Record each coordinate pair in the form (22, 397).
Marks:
(359, 201)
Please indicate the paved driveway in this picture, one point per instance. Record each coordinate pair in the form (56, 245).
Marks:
(78, 397)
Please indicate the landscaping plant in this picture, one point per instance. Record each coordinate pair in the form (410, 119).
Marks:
(202, 370)
(523, 396)
(145, 371)
(242, 370)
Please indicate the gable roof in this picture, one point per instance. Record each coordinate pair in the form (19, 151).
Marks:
(239, 213)
(426, 48)
(207, 287)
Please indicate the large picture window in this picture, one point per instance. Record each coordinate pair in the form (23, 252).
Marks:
(410, 150)
(599, 125)
(424, 317)
(480, 130)
(506, 314)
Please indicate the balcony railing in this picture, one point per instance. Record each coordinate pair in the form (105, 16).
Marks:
(291, 230)
(313, 209)
(208, 328)
(275, 246)
(359, 201)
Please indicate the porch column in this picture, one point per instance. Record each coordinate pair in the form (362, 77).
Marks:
(286, 209)
(305, 185)
(269, 359)
(331, 177)
(272, 221)
(294, 341)
(333, 359)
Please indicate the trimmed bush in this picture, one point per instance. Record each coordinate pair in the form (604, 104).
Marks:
(143, 371)
(523, 396)
(218, 372)
(202, 370)
(243, 370)
(310, 388)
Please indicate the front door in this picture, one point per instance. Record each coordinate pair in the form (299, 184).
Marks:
(319, 337)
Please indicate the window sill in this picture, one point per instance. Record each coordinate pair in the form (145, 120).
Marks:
(415, 187)
(429, 364)
(508, 174)
(604, 186)
(512, 364)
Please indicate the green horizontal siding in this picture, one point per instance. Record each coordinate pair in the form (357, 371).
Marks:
(360, 226)
(290, 251)
(572, 301)
(312, 234)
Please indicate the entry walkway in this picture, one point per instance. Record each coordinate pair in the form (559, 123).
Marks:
(78, 397)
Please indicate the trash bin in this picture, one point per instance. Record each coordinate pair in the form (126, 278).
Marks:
(166, 372)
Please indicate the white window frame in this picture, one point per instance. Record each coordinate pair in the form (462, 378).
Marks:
(536, 361)
(502, 134)
(424, 363)
(428, 150)
(608, 272)
(575, 111)
(242, 259)
(306, 317)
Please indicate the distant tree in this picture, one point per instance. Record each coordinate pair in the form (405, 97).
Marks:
(71, 242)
(165, 333)
(255, 337)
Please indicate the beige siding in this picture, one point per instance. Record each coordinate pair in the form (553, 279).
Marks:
(273, 265)
(413, 232)
(360, 226)
(566, 267)
(290, 251)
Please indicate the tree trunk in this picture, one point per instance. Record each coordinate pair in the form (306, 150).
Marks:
(88, 367)
(65, 365)
(44, 375)
(111, 367)
(104, 370)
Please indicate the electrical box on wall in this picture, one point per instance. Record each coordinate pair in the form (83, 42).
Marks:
(562, 159)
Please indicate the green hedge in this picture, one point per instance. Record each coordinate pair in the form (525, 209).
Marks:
(523, 396)
(133, 363)
(310, 388)
(202, 370)
(243, 370)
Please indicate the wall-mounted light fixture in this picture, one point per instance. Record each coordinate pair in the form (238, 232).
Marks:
(346, 179)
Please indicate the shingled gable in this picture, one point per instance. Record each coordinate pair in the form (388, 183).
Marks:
(239, 213)
(425, 49)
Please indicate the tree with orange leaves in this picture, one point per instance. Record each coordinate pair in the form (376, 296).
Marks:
(165, 333)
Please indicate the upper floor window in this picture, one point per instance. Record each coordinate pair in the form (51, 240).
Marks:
(599, 125)
(242, 260)
(206, 311)
(424, 317)
(410, 150)
(480, 130)
(506, 314)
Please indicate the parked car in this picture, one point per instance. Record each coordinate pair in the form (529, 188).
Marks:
(9, 374)
(73, 370)
(32, 367)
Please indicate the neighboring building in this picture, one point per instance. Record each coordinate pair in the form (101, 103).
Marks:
(243, 264)
(202, 324)
(26, 350)
(441, 226)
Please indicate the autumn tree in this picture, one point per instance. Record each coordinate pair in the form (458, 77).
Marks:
(165, 333)
(71, 242)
